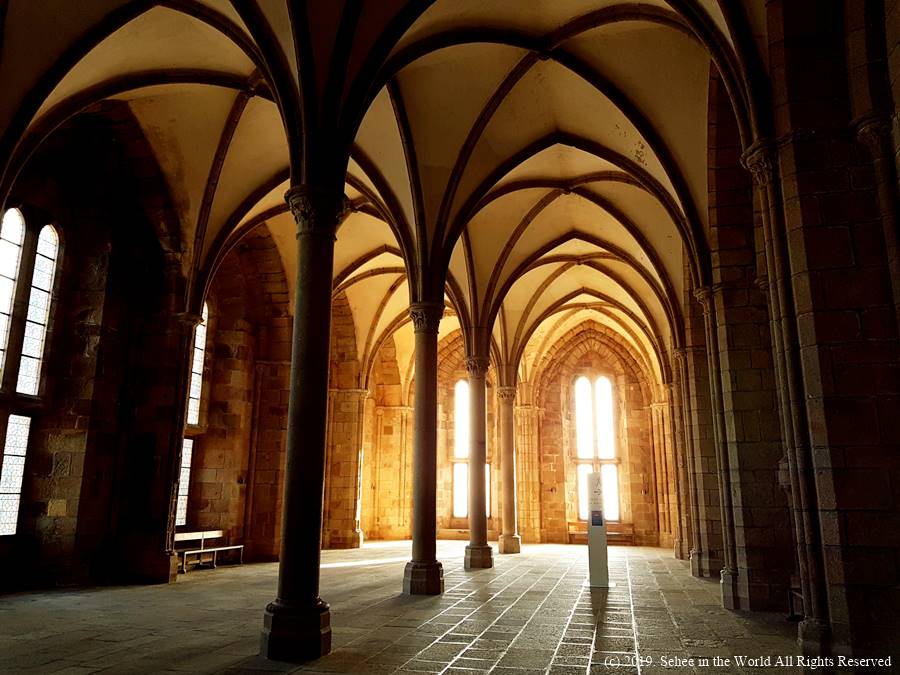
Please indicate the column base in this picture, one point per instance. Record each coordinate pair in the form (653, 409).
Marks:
(704, 565)
(479, 557)
(510, 543)
(730, 596)
(813, 637)
(423, 578)
(295, 634)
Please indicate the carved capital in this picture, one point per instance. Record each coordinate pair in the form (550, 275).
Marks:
(762, 282)
(477, 365)
(759, 160)
(188, 321)
(426, 316)
(874, 132)
(704, 297)
(506, 394)
(678, 353)
(317, 211)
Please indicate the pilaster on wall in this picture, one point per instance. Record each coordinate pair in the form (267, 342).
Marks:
(528, 420)
(707, 555)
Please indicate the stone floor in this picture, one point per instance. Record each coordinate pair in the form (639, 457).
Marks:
(532, 613)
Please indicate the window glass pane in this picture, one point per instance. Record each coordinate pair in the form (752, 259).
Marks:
(583, 471)
(9, 258)
(606, 434)
(461, 420)
(195, 387)
(583, 419)
(609, 479)
(39, 299)
(7, 286)
(460, 489)
(48, 242)
(13, 471)
(184, 482)
(9, 513)
(13, 229)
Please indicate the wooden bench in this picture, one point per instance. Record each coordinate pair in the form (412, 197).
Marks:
(211, 551)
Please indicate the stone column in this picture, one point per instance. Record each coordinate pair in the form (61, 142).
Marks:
(510, 542)
(478, 554)
(729, 575)
(297, 625)
(424, 575)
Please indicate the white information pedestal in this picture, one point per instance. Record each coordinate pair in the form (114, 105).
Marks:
(598, 560)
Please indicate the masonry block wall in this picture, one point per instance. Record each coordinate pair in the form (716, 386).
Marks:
(344, 442)
(841, 285)
(386, 503)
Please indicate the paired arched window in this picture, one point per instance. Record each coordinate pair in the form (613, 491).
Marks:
(23, 337)
(595, 443)
(460, 457)
(195, 391)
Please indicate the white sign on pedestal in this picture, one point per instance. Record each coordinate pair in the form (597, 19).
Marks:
(598, 561)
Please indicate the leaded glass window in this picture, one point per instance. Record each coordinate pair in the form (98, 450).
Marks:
(38, 311)
(12, 471)
(595, 444)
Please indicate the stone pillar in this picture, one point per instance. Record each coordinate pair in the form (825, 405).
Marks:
(424, 575)
(692, 497)
(478, 553)
(729, 576)
(297, 625)
(760, 160)
(510, 542)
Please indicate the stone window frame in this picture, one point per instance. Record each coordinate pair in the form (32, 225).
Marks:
(593, 374)
(18, 403)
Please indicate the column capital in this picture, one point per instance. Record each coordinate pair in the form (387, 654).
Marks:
(426, 316)
(317, 211)
(477, 365)
(188, 321)
(703, 294)
(762, 282)
(874, 132)
(759, 160)
(507, 394)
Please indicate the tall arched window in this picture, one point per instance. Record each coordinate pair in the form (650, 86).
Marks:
(38, 311)
(23, 334)
(460, 458)
(195, 390)
(12, 236)
(595, 443)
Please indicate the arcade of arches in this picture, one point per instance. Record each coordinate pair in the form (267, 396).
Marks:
(321, 273)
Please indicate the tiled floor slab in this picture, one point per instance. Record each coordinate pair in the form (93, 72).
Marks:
(532, 613)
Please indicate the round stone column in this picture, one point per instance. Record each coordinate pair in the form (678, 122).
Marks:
(510, 542)
(297, 625)
(478, 554)
(424, 575)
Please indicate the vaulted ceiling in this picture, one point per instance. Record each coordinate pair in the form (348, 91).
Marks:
(541, 162)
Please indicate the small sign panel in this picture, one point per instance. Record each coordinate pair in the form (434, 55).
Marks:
(597, 518)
